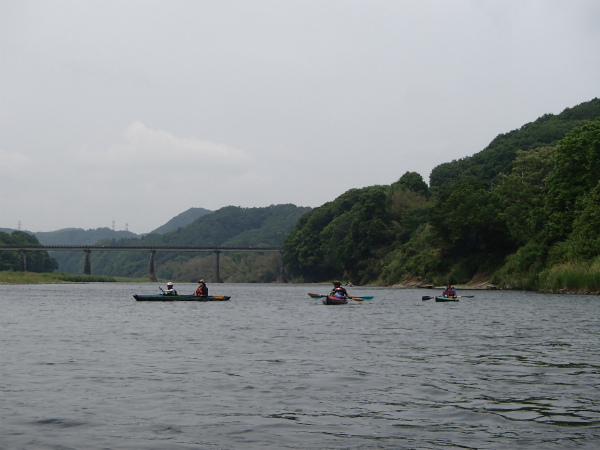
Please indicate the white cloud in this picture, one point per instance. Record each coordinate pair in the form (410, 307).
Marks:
(146, 149)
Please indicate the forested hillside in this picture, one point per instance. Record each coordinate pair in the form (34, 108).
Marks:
(79, 236)
(524, 212)
(498, 157)
(228, 227)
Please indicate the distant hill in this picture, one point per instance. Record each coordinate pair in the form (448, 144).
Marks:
(182, 220)
(238, 227)
(231, 226)
(79, 236)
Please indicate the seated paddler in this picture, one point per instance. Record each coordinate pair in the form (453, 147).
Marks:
(449, 291)
(170, 289)
(202, 289)
(338, 291)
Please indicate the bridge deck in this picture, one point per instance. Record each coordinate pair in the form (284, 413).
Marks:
(165, 248)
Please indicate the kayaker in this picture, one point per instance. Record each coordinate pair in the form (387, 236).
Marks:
(338, 291)
(449, 291)
(170, 289)
(202, 290)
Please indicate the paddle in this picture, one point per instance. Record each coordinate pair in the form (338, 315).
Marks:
(427, 297)
(356, 299)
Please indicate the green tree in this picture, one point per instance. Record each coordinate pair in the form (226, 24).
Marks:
(577, 172)
(523, 193)
(37, 261)
(467, 216)
(412, 181)
(585, 238)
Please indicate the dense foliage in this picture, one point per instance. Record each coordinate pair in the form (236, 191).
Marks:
(36, 261)
(497, 158)
(340, 237)
(524, 212)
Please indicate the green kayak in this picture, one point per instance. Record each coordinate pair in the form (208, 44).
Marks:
(446, 299)
(180, 298)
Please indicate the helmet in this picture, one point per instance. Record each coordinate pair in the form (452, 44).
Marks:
(169, 284)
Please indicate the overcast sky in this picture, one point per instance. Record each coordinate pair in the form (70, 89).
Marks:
(135, 111)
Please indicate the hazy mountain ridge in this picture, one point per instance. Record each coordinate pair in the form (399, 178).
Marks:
(182, 220)
(80, 236)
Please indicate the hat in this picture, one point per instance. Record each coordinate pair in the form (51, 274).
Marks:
(169, 284)
(200, 281)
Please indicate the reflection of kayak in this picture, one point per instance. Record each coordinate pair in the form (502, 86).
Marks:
(331, 300)
(180, 298)
(446, 299)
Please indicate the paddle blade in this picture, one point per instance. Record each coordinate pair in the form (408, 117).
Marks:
(316, 295)
(426, 297)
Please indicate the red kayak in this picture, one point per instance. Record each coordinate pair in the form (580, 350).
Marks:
(331, 300)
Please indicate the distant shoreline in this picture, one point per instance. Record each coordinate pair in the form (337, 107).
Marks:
(10, 277)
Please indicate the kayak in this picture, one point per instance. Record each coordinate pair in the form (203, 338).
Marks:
(331, 300)
(358, 299)
(180, 298)
(446, 299)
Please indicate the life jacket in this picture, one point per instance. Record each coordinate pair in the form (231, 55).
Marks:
(202, 291)
(338, 292)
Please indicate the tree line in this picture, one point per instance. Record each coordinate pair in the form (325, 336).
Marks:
(36, 261)
(524, 212)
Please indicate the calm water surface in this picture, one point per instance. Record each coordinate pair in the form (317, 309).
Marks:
(88, 367)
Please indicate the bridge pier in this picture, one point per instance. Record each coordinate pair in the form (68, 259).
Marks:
(217, 267)
(87, 265)
(23, 263)
(152, 275)
(282, 274)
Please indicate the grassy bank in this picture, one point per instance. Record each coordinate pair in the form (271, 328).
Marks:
(10, 277)
(572, 277)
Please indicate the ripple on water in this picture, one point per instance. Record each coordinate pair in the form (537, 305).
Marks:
(87, 367)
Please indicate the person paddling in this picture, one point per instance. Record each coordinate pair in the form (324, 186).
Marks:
(170, 289)
(338, 291)
(449, 291)
(202, 289)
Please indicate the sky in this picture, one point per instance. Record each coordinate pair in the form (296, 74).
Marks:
(133, 111)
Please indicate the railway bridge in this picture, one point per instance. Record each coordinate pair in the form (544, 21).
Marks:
(88, 249)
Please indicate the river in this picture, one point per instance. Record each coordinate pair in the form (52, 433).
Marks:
(85, 366)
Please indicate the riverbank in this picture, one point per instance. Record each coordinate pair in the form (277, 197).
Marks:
(10, 277)
(559, 284)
